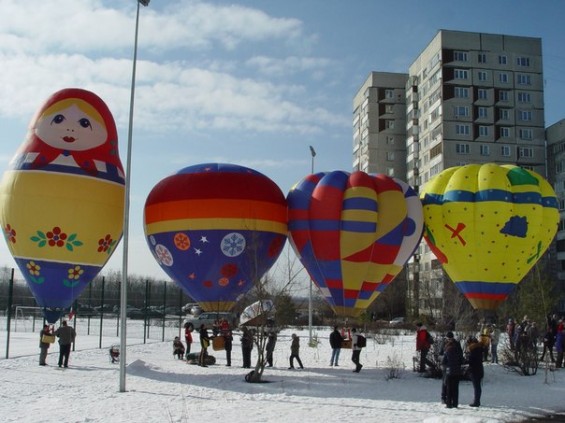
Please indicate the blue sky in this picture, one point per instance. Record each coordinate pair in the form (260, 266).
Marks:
(250, 82)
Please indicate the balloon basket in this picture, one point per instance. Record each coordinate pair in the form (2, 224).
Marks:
(347, 344)
(218, 343)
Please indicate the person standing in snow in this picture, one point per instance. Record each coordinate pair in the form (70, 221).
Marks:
(494, 339)
(452, 361)
(204, 343)
(188, 337)
(44, 346)
(423, 346)
(271, 341)
(246, 347)
(66, 335)
(356, 351)
(476, 370)
(335, 342)
(295, 351)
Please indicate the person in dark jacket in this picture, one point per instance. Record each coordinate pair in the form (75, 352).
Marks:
(204, 343)
(452, 361)
(66, 335)
(448, 337)
(476, 370)
(271, 341)
(246, 347)
(44, 346)
(335, 342)
(225, 331)
(295, 351)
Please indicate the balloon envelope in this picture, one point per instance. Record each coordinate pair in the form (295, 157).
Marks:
(62, 198)
(215, 229)
(488, 225)
(353, 233)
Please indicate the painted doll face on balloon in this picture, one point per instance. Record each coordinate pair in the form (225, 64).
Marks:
(71, 124)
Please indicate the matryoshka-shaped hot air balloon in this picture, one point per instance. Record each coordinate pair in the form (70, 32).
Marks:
(488, 225)
(62, 198)
(215, 229)
(353, 233)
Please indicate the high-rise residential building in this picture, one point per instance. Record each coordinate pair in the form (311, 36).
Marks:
(555, 135)
(469, 98)
(379, 125)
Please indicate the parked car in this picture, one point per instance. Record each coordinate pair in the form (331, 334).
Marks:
(209, 317)
(397, 321)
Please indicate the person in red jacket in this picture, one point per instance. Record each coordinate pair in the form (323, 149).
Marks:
(188, 328)
(423, 346)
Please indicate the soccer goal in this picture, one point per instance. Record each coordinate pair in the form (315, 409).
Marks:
(27, 318)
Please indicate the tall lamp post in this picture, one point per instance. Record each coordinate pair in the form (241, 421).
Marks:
(124, 284)
(313, 154)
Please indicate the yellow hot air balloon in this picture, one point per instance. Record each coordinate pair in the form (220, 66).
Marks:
(488, 225)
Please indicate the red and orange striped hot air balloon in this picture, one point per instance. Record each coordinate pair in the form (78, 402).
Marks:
(353, 233)
(215, 229)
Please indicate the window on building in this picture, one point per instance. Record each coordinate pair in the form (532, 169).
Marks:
(482, 57)
(483, 131)
(525, 134)
(483, 76)
(482, 94)
(461, 111)
(505, 150)
(524, 79)
(524, 97)
(390, 140)
(390, 156)
(389, 93)
(462, 148)
(485, 150)
(526, 115)
(390, 171)
(503, 114)
(504, 132)
(461, 74)
(389, 108)
(503, 77)
(483, 112)
(434, 151)
(526, 152)
(390, 124)
(503, 95)
(502, 60)
(462, 129)
(523, 61)
(460, 56)
(461, 92)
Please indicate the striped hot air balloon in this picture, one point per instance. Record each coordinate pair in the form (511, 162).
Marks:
(353, 233)
(488, 225)
(215, 229)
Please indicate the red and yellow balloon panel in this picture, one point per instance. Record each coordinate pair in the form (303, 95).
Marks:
(215, 229)
(353, 233)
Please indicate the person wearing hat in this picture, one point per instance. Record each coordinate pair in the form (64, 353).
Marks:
(475, 357)
(44, 346)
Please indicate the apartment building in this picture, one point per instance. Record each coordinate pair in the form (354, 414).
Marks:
(469, 98)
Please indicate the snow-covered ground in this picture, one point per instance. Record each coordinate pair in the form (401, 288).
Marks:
(160, 388)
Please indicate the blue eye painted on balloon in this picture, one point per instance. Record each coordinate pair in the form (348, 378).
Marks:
(58, 119)
(85, 123)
